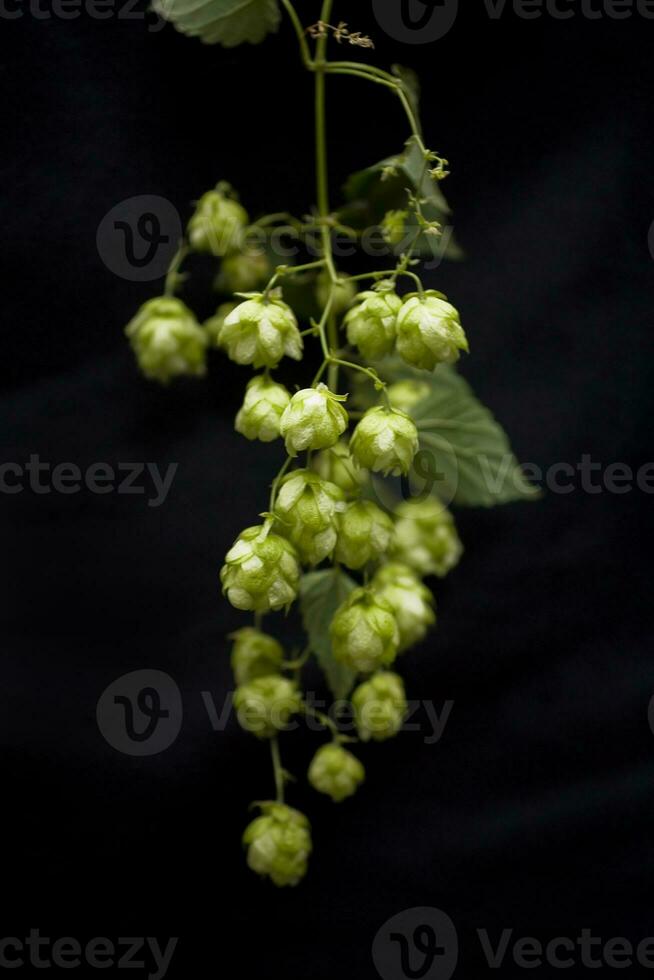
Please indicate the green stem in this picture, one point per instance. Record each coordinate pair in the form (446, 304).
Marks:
(299, 31)
(172, 276)
(292, 270)
(277, 769)
(277, 481)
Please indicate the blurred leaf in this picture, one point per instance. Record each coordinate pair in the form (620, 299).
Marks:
(411, 83)
(321, 593)
(226, 22)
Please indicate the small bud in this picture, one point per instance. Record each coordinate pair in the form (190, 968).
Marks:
(371, 322)
(243, 272)
(307, 507)
(260, 332)
(403, 395)
(364, 534)
(410, 600)
(336, 772)
(379, 707)
(265, 705)
(314, 419)
(279, 844)
(262, 409)
(426, 538)
(214, 324)
(364, 632)
(344, 293)
(255, 654)
(385, 440)
(429, 331)
(337, 466)
(261, 571)
(167, 340)
(394, 226)
(217, 223)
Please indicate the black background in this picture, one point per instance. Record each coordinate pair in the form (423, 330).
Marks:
(535, 810)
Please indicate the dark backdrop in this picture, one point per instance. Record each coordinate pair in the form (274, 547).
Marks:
(534, 811)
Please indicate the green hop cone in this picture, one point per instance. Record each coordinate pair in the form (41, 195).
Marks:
(371, 322)
(261, 571)
(262, 409)
(315, 419)
(260, 332)
(429, 331)
(307, 507)
(336, 772)
(426, 538)
(167, 340)
(410, 600)
(385, 440)
(403, 395)
(379, 706)
(279, 844)
(265, 705)
(214, 324)
(243, 272)
(343, 294)
(255, 654)
(216, 224)
(364, 632)
(364, 534)
(337, 466)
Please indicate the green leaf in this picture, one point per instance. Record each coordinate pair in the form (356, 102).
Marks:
(468, 450)
(369, 197)
(321, 593)
(226, 22)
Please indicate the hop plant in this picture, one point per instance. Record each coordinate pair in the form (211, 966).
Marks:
(336, 772)
(315, 419)
(364, 534)
(214, 324)
(336, 465)
(385, 440)
(167, 340)
(260, 332)
(410, 600)
(243, 272)
(343, 294)
(262, 409)
(426, 537)
(265, 705)
(371, 322)
(279, 844)
(261, 571)
(429, 331)
(364, 632)
(321, 511)
(255, 654)
(307, 507)
(216, 224)
(379, 706)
